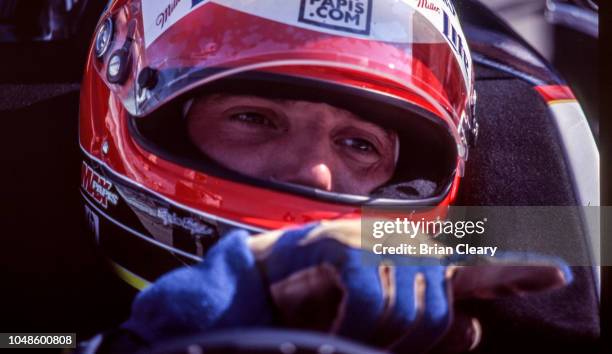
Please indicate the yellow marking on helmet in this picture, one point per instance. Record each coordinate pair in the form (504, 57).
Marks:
(129, 277)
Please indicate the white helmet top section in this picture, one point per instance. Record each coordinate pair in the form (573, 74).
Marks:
(415, 47)
(387, 21)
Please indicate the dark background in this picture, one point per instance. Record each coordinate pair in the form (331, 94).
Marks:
(52, 278)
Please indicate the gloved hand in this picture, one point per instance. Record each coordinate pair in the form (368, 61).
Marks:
(320, 278)
(317, 277)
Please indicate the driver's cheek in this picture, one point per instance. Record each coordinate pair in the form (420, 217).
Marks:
(359, 178)
(238, 153)
(255, 160)
(347, 175)
(354, 181)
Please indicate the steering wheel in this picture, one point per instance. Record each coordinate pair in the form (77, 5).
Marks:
(268, 341)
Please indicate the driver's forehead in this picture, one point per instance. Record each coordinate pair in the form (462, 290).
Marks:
(292, 109)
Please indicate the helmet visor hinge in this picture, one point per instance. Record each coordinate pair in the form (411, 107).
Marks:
(120, 61)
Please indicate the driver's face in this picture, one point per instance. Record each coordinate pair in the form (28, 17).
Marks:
(305, 143)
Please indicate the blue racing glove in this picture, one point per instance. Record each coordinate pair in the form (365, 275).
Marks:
(318, 277)
(224, 291)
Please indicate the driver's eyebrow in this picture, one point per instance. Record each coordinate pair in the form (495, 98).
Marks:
(246, 100)
(378, 130)
(282, 104)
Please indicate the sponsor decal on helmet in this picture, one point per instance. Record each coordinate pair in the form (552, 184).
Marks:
(345, 15)
(364, 19)
(458, 43)
(162, 17)
(98, 187)
(444, 17)
(450, 7)
(159, 15)
(429, 5)
(170, 218)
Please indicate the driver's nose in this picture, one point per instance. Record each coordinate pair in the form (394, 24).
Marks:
(318, 176)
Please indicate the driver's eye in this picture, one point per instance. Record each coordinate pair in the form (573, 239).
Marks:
(359, 145)
(253, 118)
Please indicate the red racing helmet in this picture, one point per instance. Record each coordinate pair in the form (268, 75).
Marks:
(155, 203)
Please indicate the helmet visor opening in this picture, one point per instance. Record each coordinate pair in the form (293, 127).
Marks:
(425, 161)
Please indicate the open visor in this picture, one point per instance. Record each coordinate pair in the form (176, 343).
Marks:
(426, 158)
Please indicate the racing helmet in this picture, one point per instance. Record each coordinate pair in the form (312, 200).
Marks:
(154, 202)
